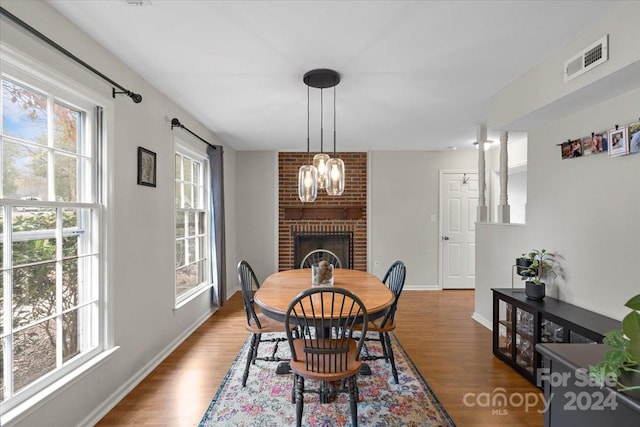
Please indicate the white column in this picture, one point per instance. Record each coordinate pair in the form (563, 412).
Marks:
(504, 210)
(482, 215)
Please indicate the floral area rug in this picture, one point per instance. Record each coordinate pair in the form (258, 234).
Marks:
(266, 399)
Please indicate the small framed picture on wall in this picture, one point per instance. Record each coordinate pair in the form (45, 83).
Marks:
(634, 137)
(600, 142)
(146, 167)
(572, 149)
(618, 142)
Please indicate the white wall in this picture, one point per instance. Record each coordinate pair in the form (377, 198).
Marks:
(585, 209)
(257, 205)
(589, 209)
(517, 194)
(516, 151)
(403, 195)
(146, 326)
(540, 95)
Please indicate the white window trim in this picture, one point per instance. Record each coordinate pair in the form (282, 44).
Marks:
(21, 66)
(191, 151)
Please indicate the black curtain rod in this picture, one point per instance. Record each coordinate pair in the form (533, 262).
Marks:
(136, 97)
(175, 123)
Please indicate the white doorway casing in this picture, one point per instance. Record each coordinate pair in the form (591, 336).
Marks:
(458, 210)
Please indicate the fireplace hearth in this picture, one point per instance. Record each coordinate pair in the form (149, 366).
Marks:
(340, 243)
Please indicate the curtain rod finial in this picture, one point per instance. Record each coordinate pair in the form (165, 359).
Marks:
(135, 97)
(175, 123)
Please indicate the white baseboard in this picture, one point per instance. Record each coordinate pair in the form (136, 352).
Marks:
(17, 414)
(422, 287)
(98, 413)
(483, 321)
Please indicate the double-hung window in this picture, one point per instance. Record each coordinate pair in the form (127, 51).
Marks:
(51, 295)
(193, 266)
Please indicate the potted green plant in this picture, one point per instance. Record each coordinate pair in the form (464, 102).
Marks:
(541, 266)
(624, 355)
(523, 263)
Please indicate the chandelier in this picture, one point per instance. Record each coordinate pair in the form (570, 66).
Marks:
(325, 172)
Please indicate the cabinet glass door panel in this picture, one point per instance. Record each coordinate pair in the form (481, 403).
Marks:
(524, 323)
(551, 332)
(525, 348)
(519, 324)
(576, 338)
(505, 326)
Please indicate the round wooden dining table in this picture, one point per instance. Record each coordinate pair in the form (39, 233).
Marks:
(279, 289)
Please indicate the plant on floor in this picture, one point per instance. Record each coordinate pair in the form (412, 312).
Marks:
(625, 354)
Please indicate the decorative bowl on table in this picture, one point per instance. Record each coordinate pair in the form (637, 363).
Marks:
(322, 274)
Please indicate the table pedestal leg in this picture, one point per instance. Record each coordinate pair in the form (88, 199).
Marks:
(365, 369)
(283, 368)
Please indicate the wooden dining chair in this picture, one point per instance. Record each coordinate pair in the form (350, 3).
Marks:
(257, 323)
(314, 257)
(394, 279)
(325, 352)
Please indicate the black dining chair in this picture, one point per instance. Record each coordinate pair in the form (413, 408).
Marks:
(325, 351)
(394, 279)
(257, 323)
(314, 257)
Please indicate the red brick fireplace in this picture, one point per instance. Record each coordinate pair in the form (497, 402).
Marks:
(344, 215)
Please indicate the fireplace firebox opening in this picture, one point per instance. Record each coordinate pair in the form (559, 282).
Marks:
(340, 243)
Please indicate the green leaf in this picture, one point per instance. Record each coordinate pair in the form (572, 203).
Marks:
(615, 359)
(634, 345)
(610, 369)
(634, 349)
(634, 303)
(616, 338)
(631, 325)
(631, 328)
(598, 373)
(625, 355)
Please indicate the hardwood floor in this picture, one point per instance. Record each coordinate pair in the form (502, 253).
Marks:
(451, 350)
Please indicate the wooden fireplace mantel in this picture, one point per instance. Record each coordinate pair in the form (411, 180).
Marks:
(323, 212)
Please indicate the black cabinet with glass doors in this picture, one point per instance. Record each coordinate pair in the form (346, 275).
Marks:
(520, 323)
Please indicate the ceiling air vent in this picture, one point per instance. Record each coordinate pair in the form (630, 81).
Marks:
(589, 58)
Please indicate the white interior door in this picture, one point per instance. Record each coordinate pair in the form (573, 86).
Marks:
(459, 202)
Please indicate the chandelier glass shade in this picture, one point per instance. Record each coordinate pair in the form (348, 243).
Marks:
(325, 172)
(308, 183)
(320, 161)
(335, 177)
(335, 166)
(308, 174)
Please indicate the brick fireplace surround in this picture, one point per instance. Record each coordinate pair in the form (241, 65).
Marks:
(346, 213)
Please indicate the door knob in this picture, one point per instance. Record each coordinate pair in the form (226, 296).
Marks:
(445, 237)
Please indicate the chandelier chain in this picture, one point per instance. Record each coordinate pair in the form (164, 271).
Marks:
(308, 144)
(334, 121)
(321, 120)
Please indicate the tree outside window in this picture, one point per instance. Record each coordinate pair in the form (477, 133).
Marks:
(192, 231)
(48, 222)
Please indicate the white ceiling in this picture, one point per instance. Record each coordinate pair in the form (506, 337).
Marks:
(416, 75)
